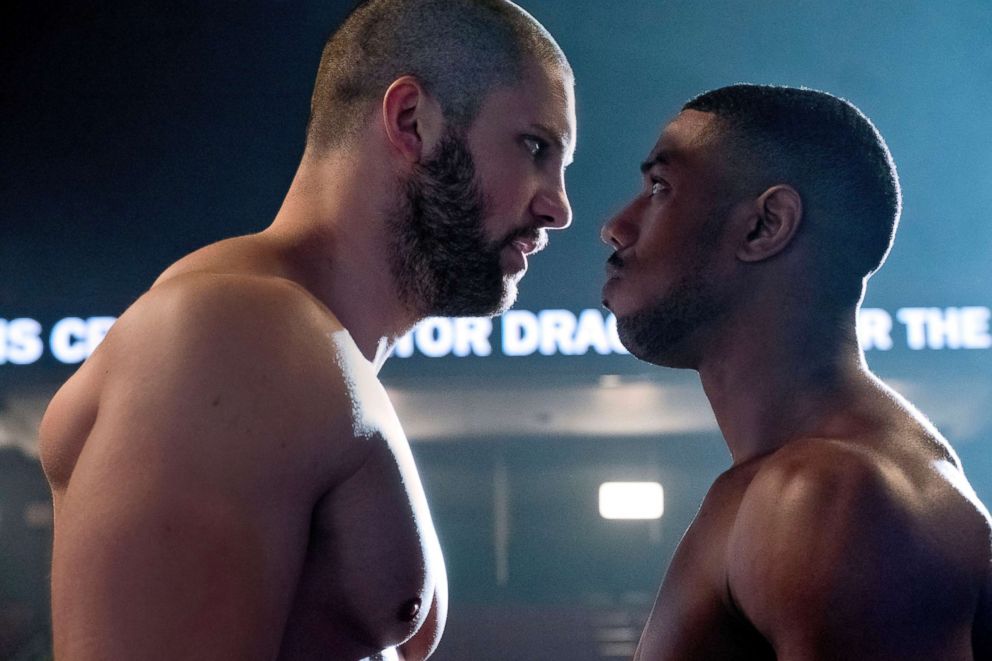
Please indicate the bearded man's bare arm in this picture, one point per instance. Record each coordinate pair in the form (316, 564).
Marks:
(181, 531)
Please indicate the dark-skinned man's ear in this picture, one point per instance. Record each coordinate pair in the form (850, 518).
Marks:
(411, 118)
(772, 224)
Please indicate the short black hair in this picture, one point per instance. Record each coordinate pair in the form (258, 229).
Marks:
(830, 152)
(458, 49)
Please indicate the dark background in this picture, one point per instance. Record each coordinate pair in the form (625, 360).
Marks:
(132, 133)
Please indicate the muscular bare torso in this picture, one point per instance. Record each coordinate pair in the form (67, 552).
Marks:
(373, 559)
(693, 616)
(706, 608)
(361, 570)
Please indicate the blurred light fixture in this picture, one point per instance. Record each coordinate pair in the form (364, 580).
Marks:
(610, 381)
(631, 500)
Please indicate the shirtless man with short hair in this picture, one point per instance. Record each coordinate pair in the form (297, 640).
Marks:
(230, 479)
(845, 528)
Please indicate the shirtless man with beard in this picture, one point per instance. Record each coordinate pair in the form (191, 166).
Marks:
(230, 479)
(845, 528)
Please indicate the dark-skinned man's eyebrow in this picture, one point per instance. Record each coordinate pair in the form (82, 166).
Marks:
(660, 158)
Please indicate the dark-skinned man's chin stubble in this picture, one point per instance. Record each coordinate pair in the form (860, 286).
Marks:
(440, 258)
(663, 333)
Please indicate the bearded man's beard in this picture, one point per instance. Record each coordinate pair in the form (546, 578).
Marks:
(441, 260)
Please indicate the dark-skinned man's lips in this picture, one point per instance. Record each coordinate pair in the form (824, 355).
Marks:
(613, 266)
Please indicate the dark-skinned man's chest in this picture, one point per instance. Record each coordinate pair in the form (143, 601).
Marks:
(694, 616)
